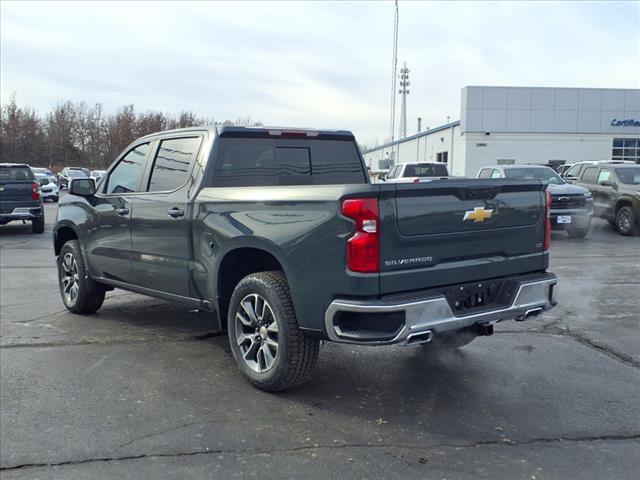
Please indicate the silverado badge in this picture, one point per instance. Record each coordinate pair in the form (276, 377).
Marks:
(478, 214)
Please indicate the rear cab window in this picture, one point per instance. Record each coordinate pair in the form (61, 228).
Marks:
(425, 170)
(255, 162)
(17, 173)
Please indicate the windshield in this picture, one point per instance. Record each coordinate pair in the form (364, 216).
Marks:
(525, 173)
(629, 176)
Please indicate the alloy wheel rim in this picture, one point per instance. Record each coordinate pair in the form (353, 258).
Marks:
(70, 284)
(256, 333)
(624, 221)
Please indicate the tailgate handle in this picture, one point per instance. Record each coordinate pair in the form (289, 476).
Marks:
(480, 193)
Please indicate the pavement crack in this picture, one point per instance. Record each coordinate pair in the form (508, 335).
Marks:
(180, 427)
(587, 342)
(305, 448)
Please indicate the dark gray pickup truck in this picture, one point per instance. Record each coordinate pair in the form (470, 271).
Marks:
(282, 234)
(20, 196)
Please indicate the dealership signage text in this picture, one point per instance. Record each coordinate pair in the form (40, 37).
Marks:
(629, 122)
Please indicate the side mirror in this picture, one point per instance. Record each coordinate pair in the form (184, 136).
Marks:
(44, 182)
(608, 183)
(83, 187)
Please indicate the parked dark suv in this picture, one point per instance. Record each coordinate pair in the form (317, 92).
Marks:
(68, 173)
(571, 205)
(20, 196)
(616, 194)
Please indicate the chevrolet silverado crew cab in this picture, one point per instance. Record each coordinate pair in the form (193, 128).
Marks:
(571, 205)
(281, 233)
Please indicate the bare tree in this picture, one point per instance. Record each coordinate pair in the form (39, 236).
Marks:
(79, 135)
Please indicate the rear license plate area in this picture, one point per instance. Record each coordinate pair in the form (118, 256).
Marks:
(485, 294)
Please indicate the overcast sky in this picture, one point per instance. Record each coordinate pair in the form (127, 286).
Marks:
(316, 64)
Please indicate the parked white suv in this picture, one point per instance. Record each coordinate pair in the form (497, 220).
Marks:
(415, 172)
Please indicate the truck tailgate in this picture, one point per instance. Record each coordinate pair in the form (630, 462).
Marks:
(456, 231)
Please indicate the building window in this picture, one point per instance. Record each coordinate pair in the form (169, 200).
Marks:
(442, 157)
(506, 161)
(626, 149)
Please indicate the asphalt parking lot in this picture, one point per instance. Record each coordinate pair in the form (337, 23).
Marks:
(145, 389)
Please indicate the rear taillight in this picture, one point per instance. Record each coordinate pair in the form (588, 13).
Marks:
(547, 225)
(363, 248)
(35, 191)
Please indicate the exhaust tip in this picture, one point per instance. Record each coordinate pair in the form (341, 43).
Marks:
(421, 337)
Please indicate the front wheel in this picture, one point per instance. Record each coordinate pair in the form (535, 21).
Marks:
(264, 336)
(72, 278)
(626, 221)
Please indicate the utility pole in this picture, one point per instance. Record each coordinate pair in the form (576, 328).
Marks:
(394, 73)
(404, 91)
(418, 139)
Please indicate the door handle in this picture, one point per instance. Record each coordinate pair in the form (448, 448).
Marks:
(122, 211)
(176, 212)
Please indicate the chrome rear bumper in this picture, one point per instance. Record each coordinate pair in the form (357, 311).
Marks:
(432, 314)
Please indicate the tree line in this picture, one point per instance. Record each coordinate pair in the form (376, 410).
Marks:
(82, 135)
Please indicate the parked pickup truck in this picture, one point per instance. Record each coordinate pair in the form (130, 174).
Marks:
(20, 196)
(282, 234)
(415, 172)
(571, 205)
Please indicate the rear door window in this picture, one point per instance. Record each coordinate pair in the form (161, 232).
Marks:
(589, 175)
(171, 165)
(272, 162)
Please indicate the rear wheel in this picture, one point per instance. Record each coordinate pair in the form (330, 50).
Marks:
(264, 336)
(626, 221)
(37, 224)
(72, 278)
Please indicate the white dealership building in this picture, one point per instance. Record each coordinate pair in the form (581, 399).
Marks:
(505, 125)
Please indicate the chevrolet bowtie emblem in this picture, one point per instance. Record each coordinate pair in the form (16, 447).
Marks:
(478, 214)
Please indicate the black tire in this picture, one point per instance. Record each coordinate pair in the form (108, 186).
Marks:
(296, 353)
(84, 300)
(37, 224)
(626, 221)
(578, 232)
(450, 340)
